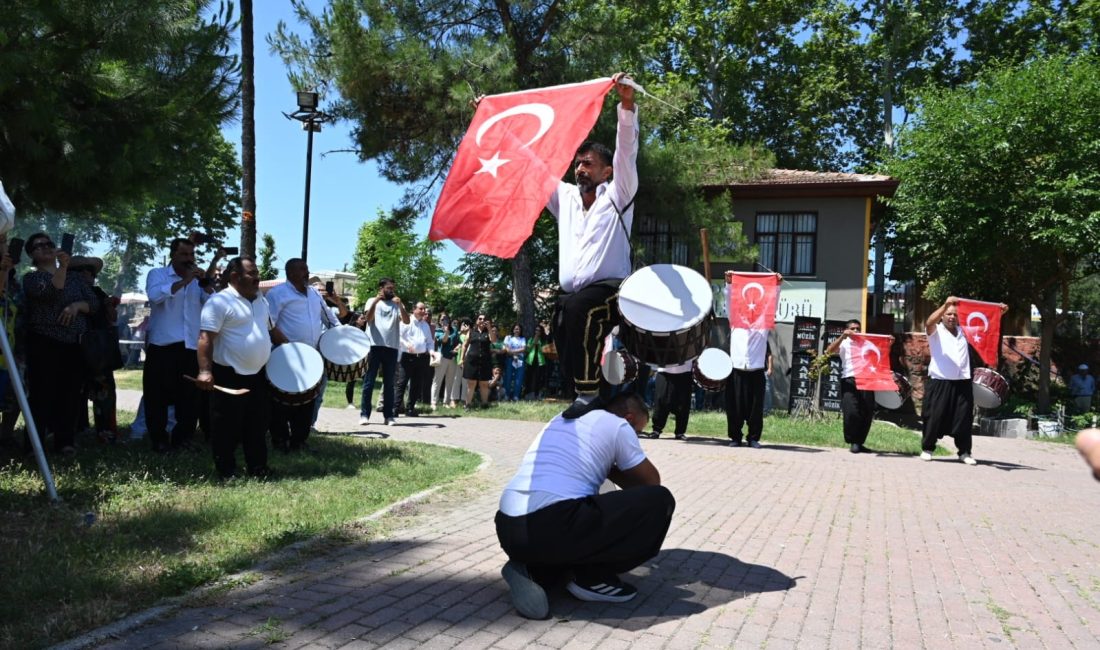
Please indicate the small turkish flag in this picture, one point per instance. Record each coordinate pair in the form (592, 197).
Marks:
(753, 298)
(982, 323)
(518, 147)
(870, 357)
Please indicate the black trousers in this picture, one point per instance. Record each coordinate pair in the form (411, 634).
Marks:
(416, 377)
(55, 379)
(581, 321)
(948, 409)
(745, 403)
(163, 384)
(290, 424)
(857, 408)
(593, 537)
(239, 419)
(672, 394)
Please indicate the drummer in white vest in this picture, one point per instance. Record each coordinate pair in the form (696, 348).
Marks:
(594, 220)
(234, 346)
(948, 407)
(300, 315)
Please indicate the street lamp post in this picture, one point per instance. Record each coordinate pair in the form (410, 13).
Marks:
(311, 118)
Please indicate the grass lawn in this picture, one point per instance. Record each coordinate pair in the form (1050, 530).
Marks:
(163, 525)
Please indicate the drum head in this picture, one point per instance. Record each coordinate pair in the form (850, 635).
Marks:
(295, 368)
(344, 345)
(889, 399)
(664, 298)
(986, 397)
(619, 368)
(715, 363)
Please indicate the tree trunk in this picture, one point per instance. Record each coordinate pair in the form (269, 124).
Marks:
(248, 133)
(124, 264)
(1049, 313)
(523, 294)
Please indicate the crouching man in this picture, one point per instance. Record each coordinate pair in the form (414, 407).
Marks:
(553, 523)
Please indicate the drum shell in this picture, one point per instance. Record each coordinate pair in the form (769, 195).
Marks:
(712, 384)
(344, 369)
(620, 358)
(345, 373)
(894, 399)
(665, 314)
(665, 348)
(990, 388)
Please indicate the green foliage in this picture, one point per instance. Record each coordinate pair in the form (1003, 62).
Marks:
(267, 268)
(387, 247)
(97, 99)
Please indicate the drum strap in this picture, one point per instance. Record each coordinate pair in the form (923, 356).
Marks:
(622, 223)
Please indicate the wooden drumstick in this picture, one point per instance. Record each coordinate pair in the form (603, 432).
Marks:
(227, 391)
(706, 253)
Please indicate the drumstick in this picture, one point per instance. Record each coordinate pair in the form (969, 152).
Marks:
(227, 391)
(706, 253)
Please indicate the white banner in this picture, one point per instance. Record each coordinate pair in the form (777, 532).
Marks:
(796, 298)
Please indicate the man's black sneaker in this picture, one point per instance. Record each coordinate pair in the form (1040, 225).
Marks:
(607, 590)
(680, 436)
(527, 595)
(580, 407)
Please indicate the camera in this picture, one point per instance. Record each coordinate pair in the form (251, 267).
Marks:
(231, 250)
(330, 288)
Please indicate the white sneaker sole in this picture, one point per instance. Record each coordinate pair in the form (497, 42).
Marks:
(600, 593)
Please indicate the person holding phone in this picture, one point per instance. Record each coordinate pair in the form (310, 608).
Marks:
(176, 293)
(58, 304)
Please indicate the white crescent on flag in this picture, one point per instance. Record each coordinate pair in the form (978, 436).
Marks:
(977, 315)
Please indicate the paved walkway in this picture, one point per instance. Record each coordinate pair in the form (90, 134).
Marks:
(783, 547)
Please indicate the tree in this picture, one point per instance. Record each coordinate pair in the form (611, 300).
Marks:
(387, 247)
(248, 133)
(1000, 189)
(97, 99)
(267, 257)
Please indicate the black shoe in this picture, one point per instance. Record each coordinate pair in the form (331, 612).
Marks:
(735, 443)
(579, 407)
(855, 449)
(412, 413)
(527, 595)
(654, 435)
(607, 590)
(680, 436)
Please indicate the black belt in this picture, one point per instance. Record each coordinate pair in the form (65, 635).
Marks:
(416, 354)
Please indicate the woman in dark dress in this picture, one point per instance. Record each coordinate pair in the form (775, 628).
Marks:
(58, 304)
(477, 361)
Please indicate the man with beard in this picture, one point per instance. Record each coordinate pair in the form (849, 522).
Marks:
(594, 221)
(383, 318)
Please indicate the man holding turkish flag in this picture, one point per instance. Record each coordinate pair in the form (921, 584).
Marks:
(752, 301)
(860, 377)
(982, 323)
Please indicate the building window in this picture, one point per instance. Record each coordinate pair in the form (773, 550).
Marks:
(787, 242)
(657, 242)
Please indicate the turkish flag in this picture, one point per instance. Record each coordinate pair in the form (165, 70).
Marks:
(753, 298)
(518, 147)
(982, 323)
(870, 357)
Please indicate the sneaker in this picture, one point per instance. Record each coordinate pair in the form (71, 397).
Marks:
(926, 455)
(390, 421)
(412, 413)
(583, 404)
(680, 436)
(608, 590)
(735, 443)
(755, 444)
(855, 449)
(352, 406)
(528, 597)
(654, 435)
(364, 420)
(968, 459)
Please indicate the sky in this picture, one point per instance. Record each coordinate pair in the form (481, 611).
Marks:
(344, 192)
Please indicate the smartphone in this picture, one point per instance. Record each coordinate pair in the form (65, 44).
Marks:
(330, 288)
(231, 250)
(15, 250)
(67, 243)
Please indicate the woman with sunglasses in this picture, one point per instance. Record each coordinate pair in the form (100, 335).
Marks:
(58, 304)
(477, 360)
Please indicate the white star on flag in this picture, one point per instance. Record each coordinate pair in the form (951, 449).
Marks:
(491, 165)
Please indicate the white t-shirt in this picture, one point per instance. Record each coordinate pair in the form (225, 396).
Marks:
(243, 342)
(748, 348)
(846, 359)
(385, 329)
(570, 459)
(950, 354)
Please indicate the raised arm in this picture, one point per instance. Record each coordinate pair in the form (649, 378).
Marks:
(934, 318)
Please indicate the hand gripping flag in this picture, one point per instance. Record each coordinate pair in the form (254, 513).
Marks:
(518, 147)
(753, 299)
(982, 323)
(870, 357)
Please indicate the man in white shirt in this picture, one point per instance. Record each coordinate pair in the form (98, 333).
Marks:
(553, 522)
(594, 220)
(300, 315)
(233, 349)
(745, 385)
(857, 407)
(176, 295)
(382, 318)
(948, 407)
(417, 343)
(672, 393)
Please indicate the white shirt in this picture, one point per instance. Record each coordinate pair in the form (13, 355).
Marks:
(417, 337)
(950, 354)
(302, 317)
(173, 317)
(748, 348)
(678, 369)
(592, 245)
(243, 342)
(570, 459)
(846, 359)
